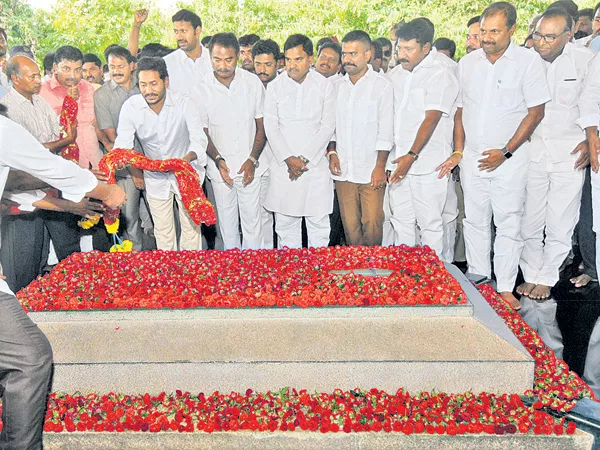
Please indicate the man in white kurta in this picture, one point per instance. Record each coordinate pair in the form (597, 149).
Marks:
(364, 138)
(554, 183)
(424, 94)
(230, 101)
(190, 63)
(299, 122)
(503, 92)
(167, 125)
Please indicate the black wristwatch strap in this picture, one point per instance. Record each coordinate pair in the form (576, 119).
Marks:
(506, 153)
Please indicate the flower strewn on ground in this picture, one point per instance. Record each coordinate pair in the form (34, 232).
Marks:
(247, 279)
(294, 278)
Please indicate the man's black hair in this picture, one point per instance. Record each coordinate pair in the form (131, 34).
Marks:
(418, 29)
(153, 64)
(92, 58)
(299, 39)
(334, 46)
(249, 40)
(266, 47)
(67, 53)
(119, 52)
(446, 44)
(227, 40)
(188, 16)
(504, 8)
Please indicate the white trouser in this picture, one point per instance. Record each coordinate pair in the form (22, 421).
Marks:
(267, 217)
(289, 230)
(502, 197)
(595, 177)
(450, 221)
(551, 213)
(163, 216)
(418, 200)
(541, 316)
(235, 203)
(591, 371)
(388, 229)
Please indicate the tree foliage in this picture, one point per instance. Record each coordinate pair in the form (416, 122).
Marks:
(92, 25)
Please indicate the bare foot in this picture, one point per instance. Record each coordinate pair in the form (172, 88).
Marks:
(525, 288)
(581, 280)
(540, 292)
(511, 300)
(581, 267)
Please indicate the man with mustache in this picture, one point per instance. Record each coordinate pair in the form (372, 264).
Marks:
(67, 80)
(23, 234)
(92, 70)
(299, 122)
(108, 101)
(329, 59)
(190, 63)
(231, 109)
(424, 95)
(168, 126)
(473, 41)
(364, 138)
(265, 54)
(246, 42)
(503, 93)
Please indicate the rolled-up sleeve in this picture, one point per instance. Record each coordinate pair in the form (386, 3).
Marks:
(20, 150)
(441, 92)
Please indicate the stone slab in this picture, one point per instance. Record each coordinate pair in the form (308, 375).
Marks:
(315, 376)
(370, 339)
(303, 440)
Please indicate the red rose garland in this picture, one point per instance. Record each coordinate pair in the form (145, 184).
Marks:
(188, 181)
(68, 115)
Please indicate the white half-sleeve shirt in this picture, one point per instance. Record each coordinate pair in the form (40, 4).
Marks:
(185, 73)
(230, 115)
(431, 86)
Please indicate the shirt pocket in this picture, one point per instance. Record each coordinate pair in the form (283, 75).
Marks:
(507, 97)
(567, 92)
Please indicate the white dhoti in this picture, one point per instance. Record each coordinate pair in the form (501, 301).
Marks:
(591, 372)
(418, 200)
(549, 219)
(266, 216)
(388, 229)
(541, 316)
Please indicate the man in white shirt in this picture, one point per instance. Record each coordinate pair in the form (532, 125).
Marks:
(555, 177)
(299, 122)
(329, 59)
(503, 92)
(231, 109)
(25, 353)
(473, 40)
(265, 54)
(168, 125)
(587, 40)
(246, 43)
(364, 138)
(190, 63)
(424, 94)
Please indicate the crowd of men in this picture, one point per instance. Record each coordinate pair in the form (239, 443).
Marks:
(492, 160)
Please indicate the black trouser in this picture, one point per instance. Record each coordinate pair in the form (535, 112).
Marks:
(22, 248)
(25, 369)
(585, 235)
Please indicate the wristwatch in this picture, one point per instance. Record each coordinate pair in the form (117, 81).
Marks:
(303, 159)
(413, 154)
(217, 159)
(506, 153)
(254, 161)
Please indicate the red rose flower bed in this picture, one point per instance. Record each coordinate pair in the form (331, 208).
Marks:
(555, 387)
(244, 279)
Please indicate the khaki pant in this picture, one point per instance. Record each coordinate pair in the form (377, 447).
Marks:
(163, 215)
(361, 208)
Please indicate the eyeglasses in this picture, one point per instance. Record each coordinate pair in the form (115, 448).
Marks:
(549, 38)
(387, 53)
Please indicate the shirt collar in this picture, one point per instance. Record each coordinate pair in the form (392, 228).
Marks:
(427, 61)
(367, 74)
(54, 84)
(113, 85)
(184, 57)
(18, 97)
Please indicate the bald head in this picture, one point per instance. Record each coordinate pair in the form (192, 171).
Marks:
(25, 75)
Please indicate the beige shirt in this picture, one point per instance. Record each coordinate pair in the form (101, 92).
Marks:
(36, 116)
